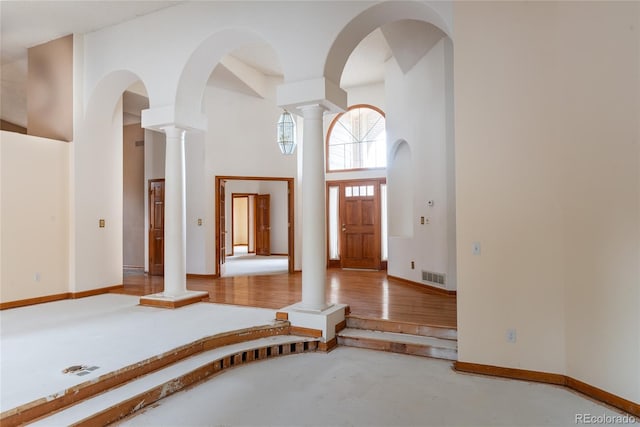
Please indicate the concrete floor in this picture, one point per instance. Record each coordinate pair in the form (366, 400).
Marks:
(108, 331)
(345, 387)
(356, 387)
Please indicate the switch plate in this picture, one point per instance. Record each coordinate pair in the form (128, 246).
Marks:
(421, 220)
(101, 223)
(475, 248)
(511, 336)
(413, 265)
(199, 221)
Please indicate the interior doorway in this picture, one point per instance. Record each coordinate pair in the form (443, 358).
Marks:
(156, 227)
(268, 219)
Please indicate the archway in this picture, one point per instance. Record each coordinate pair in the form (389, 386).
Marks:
(418, 101)
(98, 186)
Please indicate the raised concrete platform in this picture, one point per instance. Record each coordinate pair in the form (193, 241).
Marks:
(320, 324)
(161, 300)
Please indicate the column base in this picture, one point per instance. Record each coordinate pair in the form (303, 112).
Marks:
(315, 323)
(173, 301)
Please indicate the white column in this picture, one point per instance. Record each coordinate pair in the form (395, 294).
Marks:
(175, 207)
(314, 251)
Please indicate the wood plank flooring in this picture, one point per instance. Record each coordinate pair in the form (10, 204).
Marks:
(369, 294)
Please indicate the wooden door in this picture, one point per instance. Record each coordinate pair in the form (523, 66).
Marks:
(156, 227)
(360, 225)
(222, 237)
(263, 225)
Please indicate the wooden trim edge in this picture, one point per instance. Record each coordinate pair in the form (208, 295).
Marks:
(550, 378)
(201, 276)
(329, 345)
(305, 332)
(93, 292)
(35, 300)
(58, 297)
(425, 286)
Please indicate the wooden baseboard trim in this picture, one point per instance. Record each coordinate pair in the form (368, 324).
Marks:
(279, 254)
(201, 276)
(425, 286)
(93, 292)
(33, 301)
(58, 297)
(550, 378)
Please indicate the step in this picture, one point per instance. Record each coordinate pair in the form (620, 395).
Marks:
(93, 385)
(399, 343)
(128, 398)
(443, 332)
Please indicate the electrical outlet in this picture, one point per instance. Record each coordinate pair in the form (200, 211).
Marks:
(475, 248)
(511, 336)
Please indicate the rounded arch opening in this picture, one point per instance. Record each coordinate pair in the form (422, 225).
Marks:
(369, 20)
(209, 54)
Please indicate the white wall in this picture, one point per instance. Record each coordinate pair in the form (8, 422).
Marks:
(34, 211)
(97, 168)
(548, 164)
(417, 113)
(133, 229)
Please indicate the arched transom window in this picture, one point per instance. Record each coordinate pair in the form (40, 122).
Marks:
(357, 139)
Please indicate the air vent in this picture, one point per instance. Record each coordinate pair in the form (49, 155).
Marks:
(435, 278)
(140, 143)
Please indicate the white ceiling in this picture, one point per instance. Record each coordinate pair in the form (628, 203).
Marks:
(24, 24)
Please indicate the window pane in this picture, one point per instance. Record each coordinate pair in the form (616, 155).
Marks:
(363, 190)
(357, 140)
(369, 190)
(356, 191)
(334, 250)
(347, 191)
(384, 255)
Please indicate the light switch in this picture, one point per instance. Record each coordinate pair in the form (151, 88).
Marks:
(101, 223)
(199, 221)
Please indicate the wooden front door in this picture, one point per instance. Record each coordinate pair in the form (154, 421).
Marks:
(263, 225)
(360, 224)
(156, 227)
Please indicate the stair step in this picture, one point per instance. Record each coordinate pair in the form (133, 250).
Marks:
(443, 332)
(132, 396)
(399, 343)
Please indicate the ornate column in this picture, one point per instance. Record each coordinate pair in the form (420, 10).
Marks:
(314, 251)
(175, 228)
(175, 208)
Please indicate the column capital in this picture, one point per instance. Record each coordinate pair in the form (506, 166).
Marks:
(319, 91)
(312, 111)
(173, 131)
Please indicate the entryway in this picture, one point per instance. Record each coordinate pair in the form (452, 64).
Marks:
(356, 224)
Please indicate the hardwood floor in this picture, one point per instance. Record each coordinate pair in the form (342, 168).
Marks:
(368, 293)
